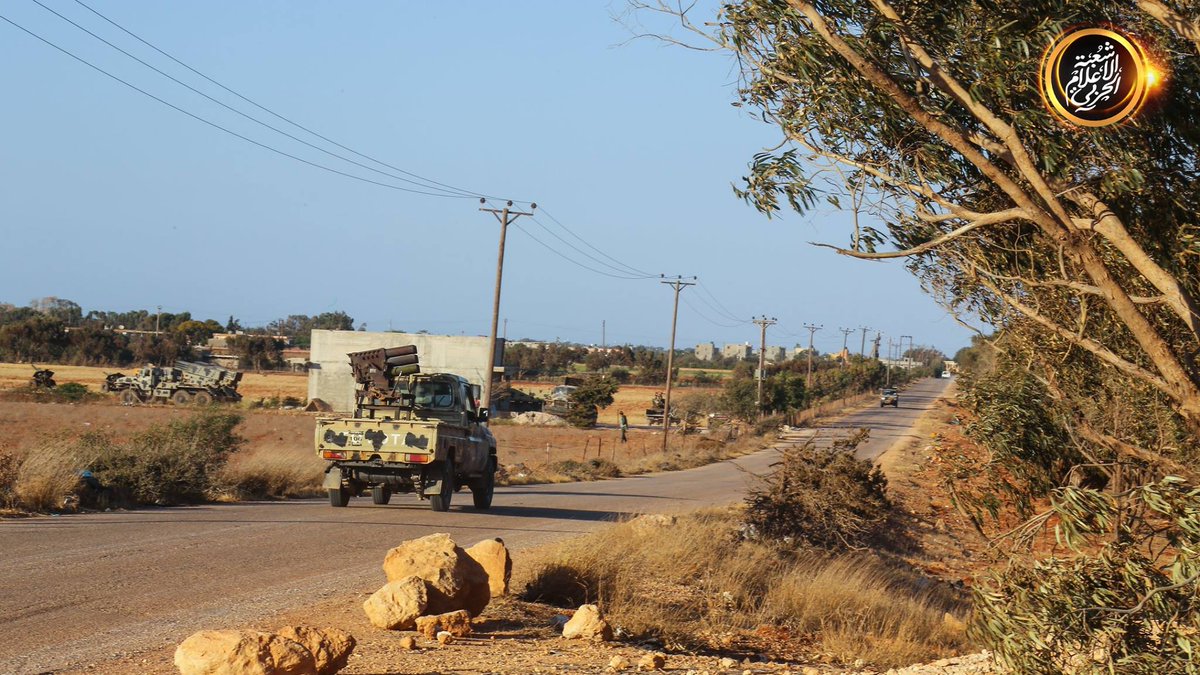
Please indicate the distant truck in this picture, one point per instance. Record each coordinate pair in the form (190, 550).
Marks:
(185, 383)
(889, 397)
(411, 432)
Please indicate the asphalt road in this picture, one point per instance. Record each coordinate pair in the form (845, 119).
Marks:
(76, 589)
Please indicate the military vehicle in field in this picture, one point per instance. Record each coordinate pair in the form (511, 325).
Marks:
(183, 384)
(43, 378)
(410, 432)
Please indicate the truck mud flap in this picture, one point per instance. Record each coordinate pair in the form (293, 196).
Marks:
(333, 478)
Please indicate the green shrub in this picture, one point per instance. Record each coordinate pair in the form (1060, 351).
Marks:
(588, 398)
(175, 463)
(1114, 607)
(72, 391)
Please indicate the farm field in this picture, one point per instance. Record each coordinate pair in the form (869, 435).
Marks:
(253, 386)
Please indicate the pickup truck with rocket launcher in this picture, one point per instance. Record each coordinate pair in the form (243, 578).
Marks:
(410, 432)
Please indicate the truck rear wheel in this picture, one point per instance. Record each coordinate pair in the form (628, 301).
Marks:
(484, 487)
(441, 501)
(202, 398)
(339, 497)
(381, 494)
(130, 397)
(181, 397)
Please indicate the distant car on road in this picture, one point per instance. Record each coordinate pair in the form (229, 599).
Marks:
(889, 397)
(946, 375)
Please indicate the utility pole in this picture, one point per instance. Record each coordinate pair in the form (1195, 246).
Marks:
(875, 351)
(888, 381)
(862, 349)
(156, 319)
(812, 328)
(901, 355)
(762, 322)
(506, 217)
(603, 334)
(845, 352)
(506, 330)
(678, 284)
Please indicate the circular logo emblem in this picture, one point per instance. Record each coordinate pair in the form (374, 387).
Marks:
(1094, 77)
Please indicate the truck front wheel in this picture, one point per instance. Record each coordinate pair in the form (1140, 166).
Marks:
(484, 487)
(130, 397)
(339, 497)
(441, 500)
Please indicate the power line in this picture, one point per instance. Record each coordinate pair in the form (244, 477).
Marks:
(702, 315)
(723, 309)
(586, 254)
(631, 268)
(247, 116)
(572, 260)
(290, 121)
(218, 126)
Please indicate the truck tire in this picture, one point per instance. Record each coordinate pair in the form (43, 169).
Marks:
(181, 397)
(441, 501)
(339, 497)
(130, 397)
(381, 494)
(484, 487)
(202, 398)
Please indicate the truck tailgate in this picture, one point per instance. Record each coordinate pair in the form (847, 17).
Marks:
(358, 439)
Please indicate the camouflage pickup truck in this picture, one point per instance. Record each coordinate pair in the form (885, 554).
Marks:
(410, 432)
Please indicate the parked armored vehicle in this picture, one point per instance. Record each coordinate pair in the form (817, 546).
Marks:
(184, 383)
(410, 432)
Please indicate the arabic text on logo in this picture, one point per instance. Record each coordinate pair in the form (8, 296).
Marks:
(1094, 77)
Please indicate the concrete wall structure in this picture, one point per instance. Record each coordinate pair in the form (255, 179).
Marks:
(775, 354)
(706, 351)
(736, 351)
(330, 380)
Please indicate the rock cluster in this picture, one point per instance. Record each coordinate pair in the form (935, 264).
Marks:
(434, 585)
(293, 650)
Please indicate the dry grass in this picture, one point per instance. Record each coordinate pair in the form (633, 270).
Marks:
(271, 475)
(696, 584)
(42, 479)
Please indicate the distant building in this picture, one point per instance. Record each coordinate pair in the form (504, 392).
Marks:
(741, 351)
(799, 352)
(706, 351)
(775, 354)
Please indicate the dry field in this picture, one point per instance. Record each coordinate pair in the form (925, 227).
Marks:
(253, 387)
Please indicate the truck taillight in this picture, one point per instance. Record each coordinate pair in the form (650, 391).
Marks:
(330, 454)
(418, 459)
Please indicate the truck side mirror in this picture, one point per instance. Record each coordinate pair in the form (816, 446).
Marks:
(482, 415)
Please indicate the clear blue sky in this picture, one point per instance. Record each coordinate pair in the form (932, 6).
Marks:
(118, 202)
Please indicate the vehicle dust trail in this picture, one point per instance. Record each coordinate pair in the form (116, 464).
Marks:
(81, 588)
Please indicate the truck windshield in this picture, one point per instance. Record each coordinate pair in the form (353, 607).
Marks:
(433, 395)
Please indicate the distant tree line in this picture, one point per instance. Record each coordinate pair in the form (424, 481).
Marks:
(56, 330)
